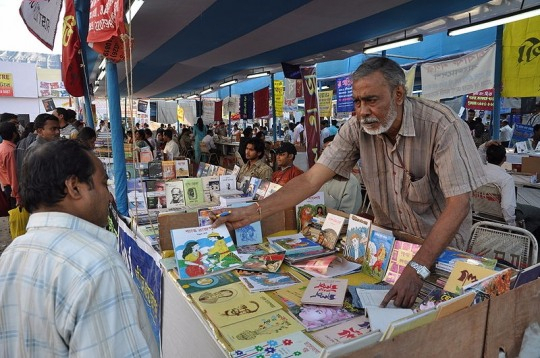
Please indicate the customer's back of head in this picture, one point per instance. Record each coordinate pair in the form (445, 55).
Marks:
(8, 130)
(495, 154)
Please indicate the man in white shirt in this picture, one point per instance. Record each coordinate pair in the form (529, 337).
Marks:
(171, 149)
(298, 133)
(506, 133)
(208, 140)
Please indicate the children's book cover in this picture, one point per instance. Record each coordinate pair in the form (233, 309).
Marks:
(267, 281)
(433, 299)
(267, 262)
(256, 249)
(200, 251)
(325, 292)
(249, 234)
(203, 215)
(192, 285)
(293, 243)
(261, 190)
(343, 332)
(169, 169)
(330, 231)
(181, 168)
(174, 193)
(314, 317)
(402, 253)
(211, 187)
(357, 238)
(193, 191)
(258, 329)
(463, 274)
(308, 209)
(233, 303)
(491, 286)
(293, 345)
(155, 170)
(253, 186)
(378, 252)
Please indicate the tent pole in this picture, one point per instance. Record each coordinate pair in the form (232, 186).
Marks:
(272, 84)
(496, 114)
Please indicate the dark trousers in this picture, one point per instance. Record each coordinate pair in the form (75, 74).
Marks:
(7, 192)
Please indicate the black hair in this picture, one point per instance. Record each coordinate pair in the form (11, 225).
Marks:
(148, 131)
(200, 123)
(6, 117)
(8, 130)
(86, 134)
(168, 133)
(189, 248)
(536, 127)
(61, 111)
(328, 139)
(70, 115)
(248, 131)
(258, 145)
(142, 134)
(209, 132)
(40, 120)
(495, 154)
(45, 170)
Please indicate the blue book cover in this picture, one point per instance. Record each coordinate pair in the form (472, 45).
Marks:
(249, 234)
(378, 252)
(293, 244)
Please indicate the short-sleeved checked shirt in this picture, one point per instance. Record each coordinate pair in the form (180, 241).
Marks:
(434, 157)
(258, 170)
(65, 291)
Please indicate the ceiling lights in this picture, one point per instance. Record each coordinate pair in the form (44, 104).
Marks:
(101, 75)
(393, 44)
(135, 6)
(228, 83)
(205, 91)
(496, 21)
(193, 96)
(258, 74)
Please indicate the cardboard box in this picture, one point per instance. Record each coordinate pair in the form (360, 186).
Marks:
(530, 165)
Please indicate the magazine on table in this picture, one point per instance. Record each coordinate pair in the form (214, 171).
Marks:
(327, 266)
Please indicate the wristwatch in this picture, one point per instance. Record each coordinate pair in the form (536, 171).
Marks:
(421, 270)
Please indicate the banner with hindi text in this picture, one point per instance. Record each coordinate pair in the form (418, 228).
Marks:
(521, 59)
(469, 73)
(482, 100)
(278, 98)
(312, 123)
(344, 94)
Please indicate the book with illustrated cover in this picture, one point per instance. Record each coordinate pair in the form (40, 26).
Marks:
(272, 188)
(201, 251)
(325, 292)
(169, 169)
(267, 262)
(236, 170)
(212, 170)
(490, 286)
(313, 317)
(145, 155)
(249, 234)
(210, 188)
(255, 249)
(227, 184)
(292, 244)
(402, 253)
(330, 231)
(155, 170)
(463, 274)
(200, 170)
(378, 252)
(135, 195)
(143, 171)
(343, 332)
(258, 329)
(233, 303)
(203, 215)
(192, 285)
(449, 257)
(181, 167)
(433, 298)
(205, 170)
(308, 209)
(253, 186)
(268, 281)
(220, 171)
(327, 266)
(131, 172)
(174, 193)
(193, 191)
(156, 194)
(243, 184)
(308, 255)
(357, 238)
(261, 190)
(293, 345)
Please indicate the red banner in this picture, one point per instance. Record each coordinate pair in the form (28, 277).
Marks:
(311, 124)
(72, 70)
(218, 113)
(106, 28)
(262, 102)
(482, 100)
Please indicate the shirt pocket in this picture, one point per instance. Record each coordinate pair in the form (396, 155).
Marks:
(419, 195)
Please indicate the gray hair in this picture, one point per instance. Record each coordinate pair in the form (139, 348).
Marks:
(391, 71)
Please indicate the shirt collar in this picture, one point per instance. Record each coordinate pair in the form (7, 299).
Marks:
(407, 123)
(67, 221)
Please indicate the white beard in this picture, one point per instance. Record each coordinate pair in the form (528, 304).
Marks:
(389, 120)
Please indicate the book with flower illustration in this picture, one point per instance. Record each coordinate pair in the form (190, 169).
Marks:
(258, 329)
(293, 345)
(233, 303)
(402, 253)
(202, 251)
(325, 292)
(379, 248)
(343, 332)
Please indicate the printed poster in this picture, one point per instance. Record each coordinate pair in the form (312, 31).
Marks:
(6, 85)
(344, 94)
(325, 103)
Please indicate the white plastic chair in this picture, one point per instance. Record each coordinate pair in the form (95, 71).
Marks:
(486, 202)
(500, 241)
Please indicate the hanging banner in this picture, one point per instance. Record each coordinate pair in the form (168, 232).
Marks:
(325, 103)
(6, 85)
(482, 100)
(180, 115)
(262, 102)
(142, 262)
(41, 19)
(218, 111)
(106, 27)
(520, 59)
(410, 74)
(466, 74)
(293, 88)
(344, 94)
(290, 105)
(311, 124)
(278, 98)
(72, 70)
(246, 106)
(208, 109)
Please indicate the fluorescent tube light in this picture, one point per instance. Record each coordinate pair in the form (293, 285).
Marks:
(228, 83)
(96, 88)
(393, 44)
(192, 96)
(103, 64)
(496, 21)
(101, 75)
(324, 88)
(135, 6)
(208, 90)
(258, 74)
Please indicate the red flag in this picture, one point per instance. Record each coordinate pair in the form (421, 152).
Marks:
(106, 28)
(72, 70)
(262, 104)
(311, 124)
